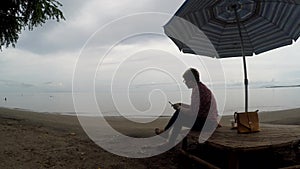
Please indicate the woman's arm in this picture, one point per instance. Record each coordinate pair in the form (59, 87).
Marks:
(185, 105)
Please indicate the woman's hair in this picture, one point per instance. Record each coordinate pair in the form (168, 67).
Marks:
(191, 74)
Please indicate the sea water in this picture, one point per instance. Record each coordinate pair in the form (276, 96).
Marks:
(142, 104)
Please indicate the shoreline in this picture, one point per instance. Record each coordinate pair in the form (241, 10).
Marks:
(286, 117)
(137, 116)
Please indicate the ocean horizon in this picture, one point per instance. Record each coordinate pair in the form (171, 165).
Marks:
(141, 105)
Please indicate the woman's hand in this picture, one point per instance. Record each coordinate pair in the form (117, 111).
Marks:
(176, 106)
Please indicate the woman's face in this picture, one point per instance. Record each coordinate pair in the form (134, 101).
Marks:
(189, 83)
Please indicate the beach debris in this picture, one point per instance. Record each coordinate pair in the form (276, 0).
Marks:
(72, 134)
(82, 156)
(9, 123)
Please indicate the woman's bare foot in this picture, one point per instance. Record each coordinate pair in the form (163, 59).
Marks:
(158, 131)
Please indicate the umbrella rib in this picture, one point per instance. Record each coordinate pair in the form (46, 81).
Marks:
(219, 40)
(287, 2)
(269, 21)
(246, 32)
(275, 25)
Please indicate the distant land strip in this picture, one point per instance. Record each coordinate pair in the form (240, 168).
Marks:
(280, 86)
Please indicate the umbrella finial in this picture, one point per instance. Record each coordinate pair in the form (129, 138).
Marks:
(234, 6)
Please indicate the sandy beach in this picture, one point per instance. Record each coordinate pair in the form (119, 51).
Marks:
(44, 140)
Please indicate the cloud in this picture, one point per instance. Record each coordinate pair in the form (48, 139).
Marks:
(53, 84)
(83, 18)
(18, 86)
(11, 83)
(30, 68)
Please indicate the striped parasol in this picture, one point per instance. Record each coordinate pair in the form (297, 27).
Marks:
(234, 28)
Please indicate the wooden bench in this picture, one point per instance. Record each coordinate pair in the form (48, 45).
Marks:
(235, 145)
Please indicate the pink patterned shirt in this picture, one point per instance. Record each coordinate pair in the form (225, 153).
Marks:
(205, 105)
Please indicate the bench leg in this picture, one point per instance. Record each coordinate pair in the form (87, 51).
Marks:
(233, 160)
(184, 143)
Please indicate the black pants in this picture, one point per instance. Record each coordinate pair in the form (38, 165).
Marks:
(178, 121)
(197, 126)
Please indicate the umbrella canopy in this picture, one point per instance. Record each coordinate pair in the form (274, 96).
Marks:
(234, 28)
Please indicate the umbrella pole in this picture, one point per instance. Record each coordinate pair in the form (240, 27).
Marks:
(244, 59)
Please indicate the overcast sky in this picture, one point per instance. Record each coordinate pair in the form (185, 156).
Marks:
(112, 41)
